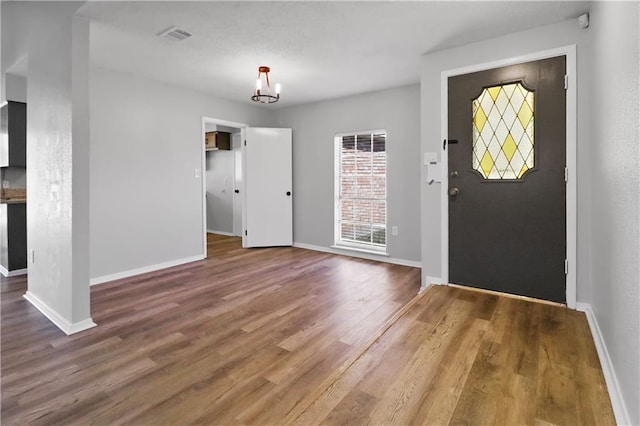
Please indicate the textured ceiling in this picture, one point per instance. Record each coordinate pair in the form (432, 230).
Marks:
(316, 50)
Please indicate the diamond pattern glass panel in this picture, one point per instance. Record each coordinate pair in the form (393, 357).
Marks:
(503, 132)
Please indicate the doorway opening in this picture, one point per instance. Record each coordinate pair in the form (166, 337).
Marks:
(222, 182)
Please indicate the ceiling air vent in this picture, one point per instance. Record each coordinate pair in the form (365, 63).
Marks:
(174, 34)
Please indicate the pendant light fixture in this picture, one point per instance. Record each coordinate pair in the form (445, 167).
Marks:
(263, 93)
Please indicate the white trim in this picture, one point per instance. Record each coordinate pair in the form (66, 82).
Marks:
(444, 184)
(143, 270)
(338, 243)
(432, 281)
(243, 192)
(229, 234)
(238, 183)
(617, 402)
(571, 146)
(64, 325)
(337, 141)
(359, 254)
(424, 288)
(203, 170)
(13, 273)
(360, 132)
(572, 176)
(361, 249)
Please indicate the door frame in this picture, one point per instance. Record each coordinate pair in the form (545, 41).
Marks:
(203, 181)
(571, 146)
(238, 201)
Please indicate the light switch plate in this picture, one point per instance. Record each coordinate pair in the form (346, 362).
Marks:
(434, 173)
(430, 158)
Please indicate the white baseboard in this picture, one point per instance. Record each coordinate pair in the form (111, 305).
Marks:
(13, 273)
(360, 255)
(431, 280)
(424, 288)
(64, 325)
(143, 270)
(229, 234)
(617, 402)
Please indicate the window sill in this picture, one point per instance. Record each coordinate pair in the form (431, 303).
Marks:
(360, 250)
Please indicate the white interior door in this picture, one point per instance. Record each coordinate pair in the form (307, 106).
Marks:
(268, 212)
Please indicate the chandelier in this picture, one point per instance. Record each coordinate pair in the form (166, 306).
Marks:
(263, 93)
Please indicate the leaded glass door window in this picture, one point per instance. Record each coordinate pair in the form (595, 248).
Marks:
(502, 140)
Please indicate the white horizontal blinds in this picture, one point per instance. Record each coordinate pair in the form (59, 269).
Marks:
(362, 200)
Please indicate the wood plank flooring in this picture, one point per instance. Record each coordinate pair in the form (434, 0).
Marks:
(291, 336)
(464, 357)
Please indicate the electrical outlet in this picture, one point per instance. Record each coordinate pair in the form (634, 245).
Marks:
(394, 231)
(5, 184)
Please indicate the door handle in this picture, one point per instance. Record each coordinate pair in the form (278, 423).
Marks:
(288, 193)
(237, 191)
(454, 192)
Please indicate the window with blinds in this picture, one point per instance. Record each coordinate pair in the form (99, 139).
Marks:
(361, 190)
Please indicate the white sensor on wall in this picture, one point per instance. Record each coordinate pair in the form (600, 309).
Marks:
(583, 21)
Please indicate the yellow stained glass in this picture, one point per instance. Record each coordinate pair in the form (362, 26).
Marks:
(503, 123)
(493, 92)
(487, 163)
(524, 169)
(480, 119)
(525, 114)
(509, 148)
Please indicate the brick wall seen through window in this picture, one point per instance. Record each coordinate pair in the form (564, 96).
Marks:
(361, 195)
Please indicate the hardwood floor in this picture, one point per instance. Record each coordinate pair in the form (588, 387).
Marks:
(464, 357)
(292, 336)
(242, 334)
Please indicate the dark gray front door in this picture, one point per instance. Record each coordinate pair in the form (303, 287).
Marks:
(507, 189)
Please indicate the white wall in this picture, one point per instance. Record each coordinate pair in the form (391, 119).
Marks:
(15, 87)
(15, 177)
(146, 203)
(15, 90)
(614, 183)
(56, 44)
(220, 186)
(13, 42)
(314, 127)
(3, 83)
